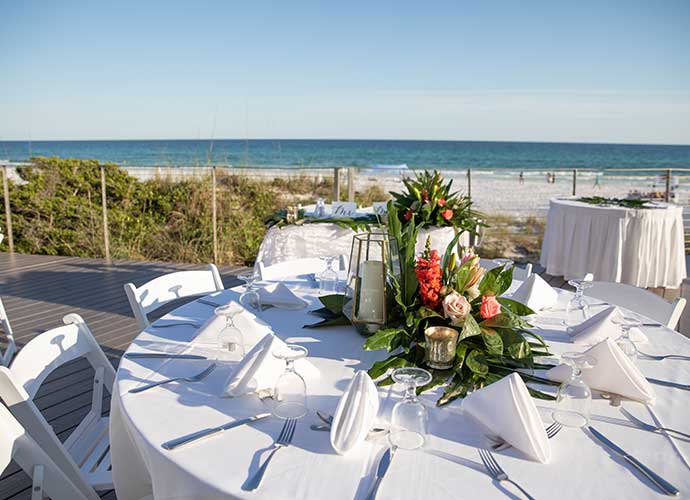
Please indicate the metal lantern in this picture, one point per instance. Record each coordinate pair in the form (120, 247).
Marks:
(374, 261)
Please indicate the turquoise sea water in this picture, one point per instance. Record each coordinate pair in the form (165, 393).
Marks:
(528, 156)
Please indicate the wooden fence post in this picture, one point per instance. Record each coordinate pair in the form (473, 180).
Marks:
(106, 237)
(214, 214)
(8, 212)
(469, 183)
(667, 195)
(574, 181)
(336, 184)
(351, 184)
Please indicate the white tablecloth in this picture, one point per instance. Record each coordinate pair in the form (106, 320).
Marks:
(449, 468)
(642, 247)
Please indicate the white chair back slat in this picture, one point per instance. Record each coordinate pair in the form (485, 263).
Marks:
(519, 273)
(48, 480)
(150, 296)
(296, 267)
(639, 300)
(10, 346)
(20, 382)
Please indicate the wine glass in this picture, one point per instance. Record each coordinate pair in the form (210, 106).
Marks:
(577, 309)
(409, 417)
(574, 397)
(626, 344)
(328, 279)
(506, 263)
(230, 345)
(250, 297)
(290, 392)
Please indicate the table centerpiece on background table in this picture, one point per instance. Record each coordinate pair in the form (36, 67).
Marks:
(634, 203)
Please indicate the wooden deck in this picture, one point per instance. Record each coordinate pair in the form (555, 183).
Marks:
(39, 290)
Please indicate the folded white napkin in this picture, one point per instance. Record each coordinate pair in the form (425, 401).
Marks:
(259, 369)
(536, 293)
(280, 296)
(506, 410)
(253, 329)
(601, 326)
(614, 373)
(355, 414)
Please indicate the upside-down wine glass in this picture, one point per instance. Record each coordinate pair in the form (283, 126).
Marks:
(409, 418)
(290, 392)
(626, 344)
(250, 297)
(230, 345)
(574, 396)
(577, 309)
(328, 279)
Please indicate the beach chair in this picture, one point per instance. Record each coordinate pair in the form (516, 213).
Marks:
(638, 300)
(84, 457)
(296, 267)
(519, 273)
(10, 346)
(47, 478)
(172, 286)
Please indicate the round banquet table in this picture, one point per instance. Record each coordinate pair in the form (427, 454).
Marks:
(449, 466)
(326, 239)
(642, 247)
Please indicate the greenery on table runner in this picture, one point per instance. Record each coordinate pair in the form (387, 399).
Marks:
(331, 312)
(357, 224)
(428, 198)
(494, 339)
(618, 202)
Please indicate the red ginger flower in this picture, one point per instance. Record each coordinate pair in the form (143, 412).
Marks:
(429, 275)
(407, 215)
(447, 214)
(490, 307)
(442, 202)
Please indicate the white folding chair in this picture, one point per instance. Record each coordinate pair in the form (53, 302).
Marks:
(10, 346)
(159, 291)
(638, 300)
(519, 273)
(296, 267)
(48, 479)
(85, 456)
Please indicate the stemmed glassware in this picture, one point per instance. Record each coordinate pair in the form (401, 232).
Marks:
(290, 393)
(577, 309)
(574, 397)
(328, 279)
(626, 344)
(250, 297)
(409, 417)
(230, 345)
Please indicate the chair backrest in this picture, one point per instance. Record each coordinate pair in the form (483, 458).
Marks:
(17, 445)
(638, 300)
(296, 267)
(159, 291)
(519, 273)
(10, 346)
(31, 366)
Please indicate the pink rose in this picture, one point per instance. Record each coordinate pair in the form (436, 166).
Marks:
(490, 307)
(456, 308)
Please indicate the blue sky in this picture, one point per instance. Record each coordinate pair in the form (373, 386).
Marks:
(590, 71)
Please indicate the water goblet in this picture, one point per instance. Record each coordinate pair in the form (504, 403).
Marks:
(328, 279)
(290, 392)
(230, 342)
(626, 344)
(409, 418)
(577, 310)
(250, 297)
(574, 397)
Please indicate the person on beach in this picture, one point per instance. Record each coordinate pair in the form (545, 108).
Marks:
(522, 177)
(597, 181)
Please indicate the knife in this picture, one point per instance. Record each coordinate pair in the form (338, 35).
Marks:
(666, 487)
(196, 436)
(656, 381)
(162, 355)
(384, 463)
(209, 302)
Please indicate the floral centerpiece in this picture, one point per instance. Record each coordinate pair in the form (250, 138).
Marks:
(454, 291)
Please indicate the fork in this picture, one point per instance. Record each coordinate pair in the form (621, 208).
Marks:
(648, 427)
(497, 472)
(195, 324)
(551, 431)
(195, 378)
(661, 357)
(284, 440)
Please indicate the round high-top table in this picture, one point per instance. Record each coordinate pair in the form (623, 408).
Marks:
(642, 247)
(449, 466)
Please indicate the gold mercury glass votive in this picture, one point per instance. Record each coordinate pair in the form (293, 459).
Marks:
(440, 347)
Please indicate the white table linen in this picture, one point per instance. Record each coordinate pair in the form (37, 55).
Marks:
(310, 469)
(642, 247)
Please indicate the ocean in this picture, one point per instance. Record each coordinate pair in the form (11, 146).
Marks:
(532, 157)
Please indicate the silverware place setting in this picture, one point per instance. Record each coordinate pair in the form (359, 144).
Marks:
(381, 469)
(500, 445)
(661, 357)
(212, 431)
(649, 427)
(283, 441)
(194, 378)
(668, 383)
(161, 355)
(496, 472)
(173, 324)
